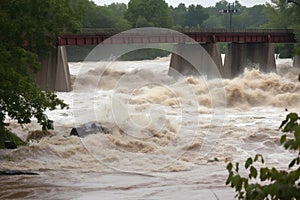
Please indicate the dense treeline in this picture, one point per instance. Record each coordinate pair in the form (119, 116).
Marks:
(145, 13)
(157, 13)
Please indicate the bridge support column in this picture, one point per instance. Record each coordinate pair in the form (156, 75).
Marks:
(203, 59)
(54, 73)
(296, 61)
(253, 55)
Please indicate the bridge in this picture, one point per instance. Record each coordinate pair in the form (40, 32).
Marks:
(94, 37)
(244, 47)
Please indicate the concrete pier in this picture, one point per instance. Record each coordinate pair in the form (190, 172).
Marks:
(296, 61)
(204, 58)
(54, 73)
(248, 55)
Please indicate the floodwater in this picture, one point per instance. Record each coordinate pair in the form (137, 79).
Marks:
(168, 139)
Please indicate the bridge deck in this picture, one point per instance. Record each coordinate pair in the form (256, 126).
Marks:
(204, 36)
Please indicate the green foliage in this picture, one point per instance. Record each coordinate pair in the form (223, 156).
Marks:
(284, 50)
(155, 12)
(142, 22)
(248, 17)
(195, 16)
(283, 15)
(111, 16)
(278, 13)
(20, 97)
(28, 32)
(273, 183)
(78, 53)
(7, 135)
(96, 16)
(178, 14)
(245, 18)
(144, 54)
(36, 24)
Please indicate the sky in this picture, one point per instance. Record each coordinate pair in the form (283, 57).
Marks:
(204, 3)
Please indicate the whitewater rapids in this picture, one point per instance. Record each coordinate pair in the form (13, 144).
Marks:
(168, 140)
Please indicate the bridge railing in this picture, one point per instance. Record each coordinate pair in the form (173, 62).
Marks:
(110, 31)
(97, 36)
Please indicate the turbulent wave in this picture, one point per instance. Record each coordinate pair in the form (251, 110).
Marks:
(252, 88)
(153, 132)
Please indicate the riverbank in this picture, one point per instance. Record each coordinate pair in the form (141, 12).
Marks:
(6, 135)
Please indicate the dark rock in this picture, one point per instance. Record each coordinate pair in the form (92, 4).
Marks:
(89, 128)
(74, 132)
(16, 172)
(10, 144)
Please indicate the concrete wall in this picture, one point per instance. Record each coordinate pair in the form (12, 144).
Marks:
(54, 73)
(250, 55)
(202, 60)
(296, 61)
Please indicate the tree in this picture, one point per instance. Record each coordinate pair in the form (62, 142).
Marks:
(215, 17)
(223, 4)
(142, 22)
(213, 22)
(118, 10)
(195, 16)
(97, 16)
(284, 16)
(28, 32)
(156, 13)
(251, 20)
(278, 13)
(178, 14)
(295, 16)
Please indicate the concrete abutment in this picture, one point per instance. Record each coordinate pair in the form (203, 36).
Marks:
(206, 60)
(192, 59)
(248, 55)
(238, 57)
(54, 73)
(296, 61)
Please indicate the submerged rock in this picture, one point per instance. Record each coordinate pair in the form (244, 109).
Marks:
(16, 172)
(89, 128)
(10, 144)
(38, 135)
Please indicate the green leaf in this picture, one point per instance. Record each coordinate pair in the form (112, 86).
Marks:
(283, 122)
(229, 178)
(259, 156)
(253, 172)
(237, 182)
(292, 163)
(293, 117)
(229, 167)
(297, 132)
(237, 167)
(289, 127)
(288, 144)
(264, 174)
(248, 163)
(283, 139)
